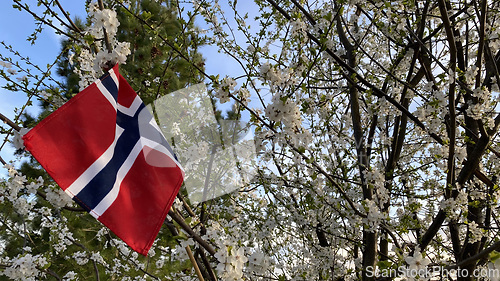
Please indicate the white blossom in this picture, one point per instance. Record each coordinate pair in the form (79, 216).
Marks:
(81, 258)
(476, 233)
(227, 85)
(57, 197)
(71, 275)
(17, 140)
(25, 267)
(417, 261)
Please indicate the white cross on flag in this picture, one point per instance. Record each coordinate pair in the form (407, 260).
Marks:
(105, 150)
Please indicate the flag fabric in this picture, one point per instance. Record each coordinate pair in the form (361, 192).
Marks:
(105, 150)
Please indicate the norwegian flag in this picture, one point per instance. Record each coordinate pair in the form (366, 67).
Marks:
(106, 151)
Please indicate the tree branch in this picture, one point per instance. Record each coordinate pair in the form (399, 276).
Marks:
(178, 219)
(9, 122)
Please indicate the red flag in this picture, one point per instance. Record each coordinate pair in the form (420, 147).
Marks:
(106, 151)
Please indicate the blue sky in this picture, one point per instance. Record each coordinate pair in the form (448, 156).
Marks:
(15, 27)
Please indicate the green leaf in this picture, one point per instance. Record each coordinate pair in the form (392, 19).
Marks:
(146, 15)
(89, 39)
(384, 264)
(494, 256)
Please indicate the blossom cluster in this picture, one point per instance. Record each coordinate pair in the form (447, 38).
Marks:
(306, 215)
(283, 109)
(92, 63)
(25, 267)
(454, 207)
(8, 66)
(227, 85)
(374, 217)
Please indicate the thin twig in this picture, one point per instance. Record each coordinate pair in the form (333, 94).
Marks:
(44, 21)
(9, 122)
(54, 14)
(75, 27)
(106, 38)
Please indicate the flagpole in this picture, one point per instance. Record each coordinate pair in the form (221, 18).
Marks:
(195, 264)
(174, 215)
